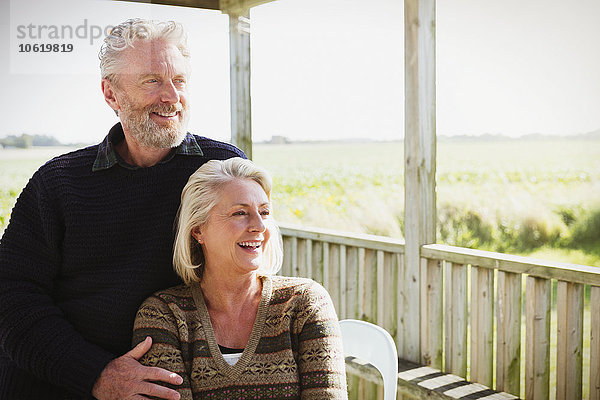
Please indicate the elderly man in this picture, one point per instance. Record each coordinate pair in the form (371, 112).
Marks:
(91, 235)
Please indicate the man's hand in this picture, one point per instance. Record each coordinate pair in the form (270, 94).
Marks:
(126, 378)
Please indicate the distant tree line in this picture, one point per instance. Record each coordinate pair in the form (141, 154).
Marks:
(25, 141)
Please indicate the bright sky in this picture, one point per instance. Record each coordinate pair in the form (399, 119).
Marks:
(322, 69)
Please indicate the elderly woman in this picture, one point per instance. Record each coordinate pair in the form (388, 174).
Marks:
(234, 330)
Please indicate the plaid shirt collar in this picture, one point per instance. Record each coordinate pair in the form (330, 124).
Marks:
(107, 155)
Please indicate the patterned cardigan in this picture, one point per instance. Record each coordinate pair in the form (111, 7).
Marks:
(294, 351)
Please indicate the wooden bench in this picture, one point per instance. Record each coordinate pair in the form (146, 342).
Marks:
(423, 382)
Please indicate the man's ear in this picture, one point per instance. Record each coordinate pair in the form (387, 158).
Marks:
(109, 94)
(197, 234)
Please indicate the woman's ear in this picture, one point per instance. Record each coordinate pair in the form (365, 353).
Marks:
(197, 234)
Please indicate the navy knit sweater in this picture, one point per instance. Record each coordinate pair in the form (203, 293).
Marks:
(82, 251)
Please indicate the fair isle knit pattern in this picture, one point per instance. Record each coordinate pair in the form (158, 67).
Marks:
(294, 351)
(81, 253)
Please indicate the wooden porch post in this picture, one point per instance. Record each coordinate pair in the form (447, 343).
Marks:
(239, 56)
(419, 168)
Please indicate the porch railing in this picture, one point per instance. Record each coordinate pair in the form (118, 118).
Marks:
(479, 309)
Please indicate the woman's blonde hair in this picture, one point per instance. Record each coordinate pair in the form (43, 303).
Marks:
(199, 196)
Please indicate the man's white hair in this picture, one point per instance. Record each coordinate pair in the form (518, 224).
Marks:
(127, 33)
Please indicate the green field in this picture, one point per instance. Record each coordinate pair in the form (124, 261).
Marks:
(539, 198)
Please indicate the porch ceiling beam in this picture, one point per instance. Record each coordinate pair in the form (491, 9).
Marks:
(227, 6)
(206, 4)
(240, 6)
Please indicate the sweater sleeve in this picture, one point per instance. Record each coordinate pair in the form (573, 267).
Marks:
(320, 354)
(34, 333)
(156, 319)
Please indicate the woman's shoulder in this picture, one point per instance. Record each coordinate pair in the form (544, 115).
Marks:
(291, 282)
(180, 296)
(295, 286)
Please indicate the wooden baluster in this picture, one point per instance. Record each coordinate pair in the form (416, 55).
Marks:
(361, 286)
(294, 256)
(325, 255)
(286, 267)
(431, 313)
(343, 282)
(301, 257)
(537, 318)
(569, 348)
(508, 364)
(456, 319)
(482, 325)
(595, 343)
(399, 338)
(390, 294)
(380, 289)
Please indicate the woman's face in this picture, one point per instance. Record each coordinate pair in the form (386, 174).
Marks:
(234, 237)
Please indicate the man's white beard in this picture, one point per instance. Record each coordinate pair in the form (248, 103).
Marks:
(147, 132)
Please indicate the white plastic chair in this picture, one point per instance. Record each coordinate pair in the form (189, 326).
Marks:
(373, 344)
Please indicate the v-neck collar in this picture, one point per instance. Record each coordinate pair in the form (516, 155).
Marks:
(234, 371)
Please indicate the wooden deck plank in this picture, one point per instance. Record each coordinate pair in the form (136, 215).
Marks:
(430, 383)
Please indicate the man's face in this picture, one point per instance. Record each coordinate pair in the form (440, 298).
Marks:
(151, 94)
